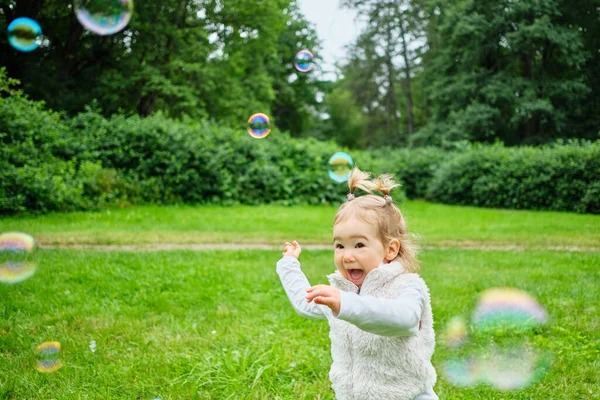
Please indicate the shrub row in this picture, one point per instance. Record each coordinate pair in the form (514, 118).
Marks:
(32, 177)
(562, 176)
(52, 163)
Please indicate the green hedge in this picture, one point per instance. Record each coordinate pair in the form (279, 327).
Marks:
(51, 163)
(413, 168)
(163, 161)
(32, 176)
(563, 176)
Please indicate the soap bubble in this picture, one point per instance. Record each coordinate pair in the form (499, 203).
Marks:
(104, 17)
(340, 166)
(304, 61)
(461, 371)
(507, 308)
(497, 349)
(511, 368)
(456, 332)
(18, 258)
(24, 34)
(502, 367)
(48, 354)
(259, 126)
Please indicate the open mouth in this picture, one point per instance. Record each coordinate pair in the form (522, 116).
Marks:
(356, 275)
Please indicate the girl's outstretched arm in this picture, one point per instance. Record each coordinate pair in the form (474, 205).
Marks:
(295, 284)
(386, 317)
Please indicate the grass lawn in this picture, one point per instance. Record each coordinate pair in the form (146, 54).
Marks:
(436, 224)
(217, 324)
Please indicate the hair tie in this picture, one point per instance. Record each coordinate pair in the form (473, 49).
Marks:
(388, 199)
(350, 196)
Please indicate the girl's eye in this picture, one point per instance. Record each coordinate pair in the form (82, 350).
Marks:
(339, 246)
(360, 245)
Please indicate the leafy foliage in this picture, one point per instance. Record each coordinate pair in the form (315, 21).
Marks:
(517, 72)
(33, 177)
(52, 162)
(509, 71)
(205, 59)
(414, 168)
(563, 176)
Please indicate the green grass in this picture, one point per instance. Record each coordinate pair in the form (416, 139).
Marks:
(436, 224)
(152, 316)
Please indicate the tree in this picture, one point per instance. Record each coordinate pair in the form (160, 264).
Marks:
(345, 123)
(504, 70)
(397, 26)
(295, 106)
(213, 59)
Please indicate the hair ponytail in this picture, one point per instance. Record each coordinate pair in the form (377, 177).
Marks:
(384, 184)
(359, 180)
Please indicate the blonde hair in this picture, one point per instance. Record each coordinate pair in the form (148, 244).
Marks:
(381, 211)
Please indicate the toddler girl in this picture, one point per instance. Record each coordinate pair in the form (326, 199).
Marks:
(378, 307)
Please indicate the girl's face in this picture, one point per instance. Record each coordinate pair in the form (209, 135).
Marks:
(358, 249)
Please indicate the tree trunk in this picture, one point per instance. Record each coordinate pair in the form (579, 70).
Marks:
(407, 79)
(75, 32)
(391, 105)
(147, 102)
(529, 129)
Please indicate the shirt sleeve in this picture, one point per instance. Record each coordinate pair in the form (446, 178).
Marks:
(295, 284)
(399, 316)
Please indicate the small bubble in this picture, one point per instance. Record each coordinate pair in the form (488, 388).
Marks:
(259, 126)
(24, 34)
(456, 332)
(48, 354)
(340, 166)
(304, 61)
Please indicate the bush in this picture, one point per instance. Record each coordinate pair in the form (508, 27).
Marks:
(413, 168)
(166, 162)
(562, 176)
(33, 177)
(50, 163)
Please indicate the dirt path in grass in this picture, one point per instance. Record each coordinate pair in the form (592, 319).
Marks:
(259, 246)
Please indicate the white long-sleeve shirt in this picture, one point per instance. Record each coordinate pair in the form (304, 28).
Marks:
(398, 316)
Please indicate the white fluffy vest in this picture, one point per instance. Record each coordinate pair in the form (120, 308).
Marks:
(367, 366)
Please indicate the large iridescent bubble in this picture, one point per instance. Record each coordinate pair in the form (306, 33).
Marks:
(24, 34)
(18, 258)
(498, 349)
(104, 17)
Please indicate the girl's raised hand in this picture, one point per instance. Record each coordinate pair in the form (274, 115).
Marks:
(324, 294)
(293, 250)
